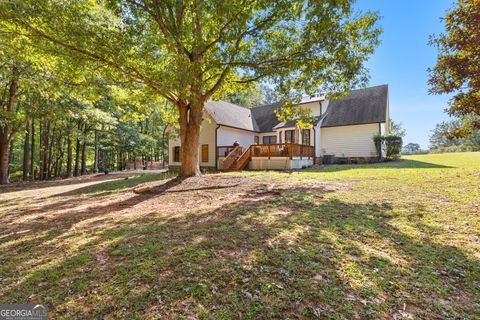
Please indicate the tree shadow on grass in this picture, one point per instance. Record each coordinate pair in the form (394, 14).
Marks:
(37, 185)
(285, 254)
(41, 217)
(111, 186)
(399, 164)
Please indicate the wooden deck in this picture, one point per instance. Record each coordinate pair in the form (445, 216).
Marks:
(237, 158)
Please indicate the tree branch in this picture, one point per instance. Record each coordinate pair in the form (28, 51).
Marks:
(130, 72)
(159, 18)
(223, 28)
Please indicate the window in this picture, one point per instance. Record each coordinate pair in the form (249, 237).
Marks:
(269, 139)
(204, 152)
(290, 136)
(306, 137)
(177, 154)
(256, 139)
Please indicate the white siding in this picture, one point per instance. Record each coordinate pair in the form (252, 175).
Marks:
(207, 136)
(324, 106)
(349, 141)
(314, 108)
(227, 136)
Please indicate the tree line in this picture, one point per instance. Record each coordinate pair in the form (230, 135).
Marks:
(441, 139)
(87, 140)
(64, 120)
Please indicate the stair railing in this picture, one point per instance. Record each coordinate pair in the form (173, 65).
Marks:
(231, 157)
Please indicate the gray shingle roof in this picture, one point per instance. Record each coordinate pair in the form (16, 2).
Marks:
(229, 114)
(266, 117)
(360, 106)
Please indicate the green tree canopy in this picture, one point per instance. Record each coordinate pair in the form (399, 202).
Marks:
(441, 136)
(250, 96)
(458, 66)
(191, 51)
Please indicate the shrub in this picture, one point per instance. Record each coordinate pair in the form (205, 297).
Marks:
(391, 143)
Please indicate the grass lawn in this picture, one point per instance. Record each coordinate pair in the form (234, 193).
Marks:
(390, 241)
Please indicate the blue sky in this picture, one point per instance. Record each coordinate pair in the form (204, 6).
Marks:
(402, 59)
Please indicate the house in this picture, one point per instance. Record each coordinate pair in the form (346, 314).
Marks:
(342, 128)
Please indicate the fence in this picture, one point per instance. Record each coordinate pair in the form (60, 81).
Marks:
(137, 165)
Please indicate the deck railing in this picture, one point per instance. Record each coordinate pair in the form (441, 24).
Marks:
(232, 157)
(243, 159)
(223, 151)
(282, 150)
(289, 150)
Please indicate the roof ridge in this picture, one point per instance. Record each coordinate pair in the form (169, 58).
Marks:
(371, 87)
(231, 103)
(358, 89)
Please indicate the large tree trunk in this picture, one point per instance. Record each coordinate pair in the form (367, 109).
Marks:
(4, 154)
(26, 153)
(190, 121)
(6, 131)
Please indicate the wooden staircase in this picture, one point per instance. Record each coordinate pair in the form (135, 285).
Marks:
(237, 159)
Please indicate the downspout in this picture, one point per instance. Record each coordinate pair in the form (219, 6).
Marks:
(216, 147)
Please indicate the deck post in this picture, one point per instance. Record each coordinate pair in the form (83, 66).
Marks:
(268, 151)
(301, 152)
